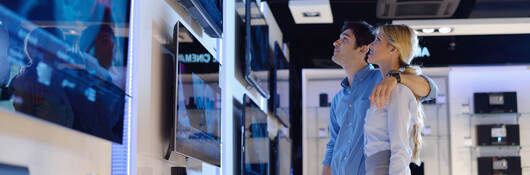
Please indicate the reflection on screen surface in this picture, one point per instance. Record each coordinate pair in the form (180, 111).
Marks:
(198, 130)
(65, 62)
(256, 140)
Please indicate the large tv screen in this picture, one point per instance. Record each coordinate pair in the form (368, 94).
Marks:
(198, 99)
(65, 62)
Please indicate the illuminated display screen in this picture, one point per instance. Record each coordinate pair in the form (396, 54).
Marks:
(65, 62)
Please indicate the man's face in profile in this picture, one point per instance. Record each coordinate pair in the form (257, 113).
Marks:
(344, 48)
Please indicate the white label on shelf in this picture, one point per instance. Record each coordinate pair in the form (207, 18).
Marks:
(500, 164)
(498, 132)
(322, 132)
(468, 141)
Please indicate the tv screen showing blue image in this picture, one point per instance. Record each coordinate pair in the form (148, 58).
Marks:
(65, 62)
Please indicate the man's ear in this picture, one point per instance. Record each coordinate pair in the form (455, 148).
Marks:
(364, 49)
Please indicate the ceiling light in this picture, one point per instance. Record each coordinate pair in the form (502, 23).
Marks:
(427, 30)
(445, 30)
(488, 26)
(311, 11)
(311, 14)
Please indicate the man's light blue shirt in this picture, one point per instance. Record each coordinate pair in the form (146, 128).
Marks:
(345, 149)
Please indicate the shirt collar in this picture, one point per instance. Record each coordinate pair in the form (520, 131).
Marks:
(361, 75)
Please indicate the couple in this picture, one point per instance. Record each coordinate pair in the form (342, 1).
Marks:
(386, 138)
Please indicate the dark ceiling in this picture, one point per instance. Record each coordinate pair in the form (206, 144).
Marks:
(311, 44)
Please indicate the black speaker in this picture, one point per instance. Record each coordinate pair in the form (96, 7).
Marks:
(497, 134)
(499, 102)
(178, 171)
(499, 165)
(323, 100)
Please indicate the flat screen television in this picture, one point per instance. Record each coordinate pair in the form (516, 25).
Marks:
(257, 55)
(256, 140)
(66, 63)
(208, 13)
(198, 99)
(279, 102)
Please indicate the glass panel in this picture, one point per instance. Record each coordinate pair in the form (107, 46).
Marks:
(65, 62)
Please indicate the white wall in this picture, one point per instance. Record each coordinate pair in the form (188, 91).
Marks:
(463, 82)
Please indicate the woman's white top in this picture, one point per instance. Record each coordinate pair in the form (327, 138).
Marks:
(391, 128)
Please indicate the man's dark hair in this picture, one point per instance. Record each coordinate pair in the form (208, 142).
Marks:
(364, 33)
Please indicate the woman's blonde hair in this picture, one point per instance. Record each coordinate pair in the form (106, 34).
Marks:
(404, 39)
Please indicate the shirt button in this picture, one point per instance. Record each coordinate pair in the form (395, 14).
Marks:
(349, 123)
(349, 105)
(345, 158)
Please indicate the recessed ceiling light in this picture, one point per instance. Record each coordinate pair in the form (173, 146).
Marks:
(311, 14)
(445, 30)
(428, 30)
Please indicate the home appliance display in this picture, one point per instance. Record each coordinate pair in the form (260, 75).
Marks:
(497, 102)
(497, 134)
(499, 165)
(198, 99)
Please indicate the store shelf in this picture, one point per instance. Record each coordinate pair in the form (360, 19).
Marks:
(493, 150)
(487, 115)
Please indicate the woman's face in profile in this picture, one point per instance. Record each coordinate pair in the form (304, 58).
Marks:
(380, 50)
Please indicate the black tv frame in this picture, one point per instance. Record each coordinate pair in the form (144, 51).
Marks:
(248, 72)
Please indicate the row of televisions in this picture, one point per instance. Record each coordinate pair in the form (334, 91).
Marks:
(197, 98)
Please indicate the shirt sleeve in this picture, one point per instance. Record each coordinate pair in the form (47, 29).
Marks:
(399, 120)
(433, 89)
(333, 130)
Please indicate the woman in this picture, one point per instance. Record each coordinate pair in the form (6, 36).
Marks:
(392, 134)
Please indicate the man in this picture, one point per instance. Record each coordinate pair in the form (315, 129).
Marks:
(363, 86)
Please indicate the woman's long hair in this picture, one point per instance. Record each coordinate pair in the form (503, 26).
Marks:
(404, 39)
